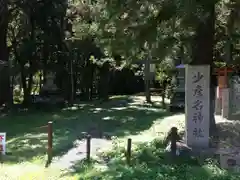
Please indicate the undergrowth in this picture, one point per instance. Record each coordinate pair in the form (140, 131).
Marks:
(150, 161)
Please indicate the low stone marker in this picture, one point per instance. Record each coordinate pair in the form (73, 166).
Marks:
(230, 159)
(50, 85)
(235, 96)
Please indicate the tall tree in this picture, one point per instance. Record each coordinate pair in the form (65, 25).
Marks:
(203, 46)
(163, 24)
(4, 70)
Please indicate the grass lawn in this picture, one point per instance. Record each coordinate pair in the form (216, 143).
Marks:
(27, 138)
(150, 162)
(121, 117)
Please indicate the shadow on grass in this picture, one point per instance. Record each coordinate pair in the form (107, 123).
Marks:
(121, 116)
(149, 161)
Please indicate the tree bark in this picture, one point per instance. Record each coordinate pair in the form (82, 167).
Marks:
(202, 53)
(27, 85)
(104, 81)
(5, 93)
(147, 80)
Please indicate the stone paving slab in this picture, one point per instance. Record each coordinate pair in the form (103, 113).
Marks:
(78, 153)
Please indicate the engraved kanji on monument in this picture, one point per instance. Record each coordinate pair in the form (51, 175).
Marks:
(197, 105)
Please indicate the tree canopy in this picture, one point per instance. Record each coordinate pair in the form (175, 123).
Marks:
(75, 38)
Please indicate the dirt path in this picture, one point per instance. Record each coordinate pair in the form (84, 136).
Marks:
(78, 153)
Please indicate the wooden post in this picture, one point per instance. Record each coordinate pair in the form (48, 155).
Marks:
(50, 140)
(128, 153)
(88, 148)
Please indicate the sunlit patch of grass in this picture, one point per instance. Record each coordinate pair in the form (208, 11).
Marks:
(32, 171)
(35, 170)
(119, 97)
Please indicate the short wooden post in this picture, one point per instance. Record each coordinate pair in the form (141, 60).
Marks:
(88, 148)
(128, 153)
(50, 140)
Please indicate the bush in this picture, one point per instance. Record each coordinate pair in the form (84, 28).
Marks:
(17, 95)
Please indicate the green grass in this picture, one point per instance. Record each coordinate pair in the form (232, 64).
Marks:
(149, 161)
(27, 137)
(122, 117)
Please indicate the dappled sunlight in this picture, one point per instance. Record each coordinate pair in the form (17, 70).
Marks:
(119, 108)
(27, 147)
(30, 171)
(101, 121)
(76, 107)
(56, 116)
(124, 119)
(147, 108)
(40, 135)
(164, 125)
(71, 118)
(128, 119)
(149, 161)
(131, 118)
(98, 110)
(143, 137)
(142, 100)
(228, 131)
(107, 118)
(229, 134)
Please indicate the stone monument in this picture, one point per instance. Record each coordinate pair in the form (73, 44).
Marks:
(50, 93)
(197, 105)
(49, 85)
(230, 159)
(234, 97)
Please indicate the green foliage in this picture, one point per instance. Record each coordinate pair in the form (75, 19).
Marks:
(17, 95)
(132, 30)
(160, 25)
(150, 161)
(164, 71)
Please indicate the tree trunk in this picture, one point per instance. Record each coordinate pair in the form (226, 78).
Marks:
(147, 80)
(229, 30)
(27, 86)
(163, 93)
(104, 81)
(24, 84)
(202, 53)
(5, 92)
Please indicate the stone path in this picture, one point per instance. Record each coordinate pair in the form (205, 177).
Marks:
(78, 153)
